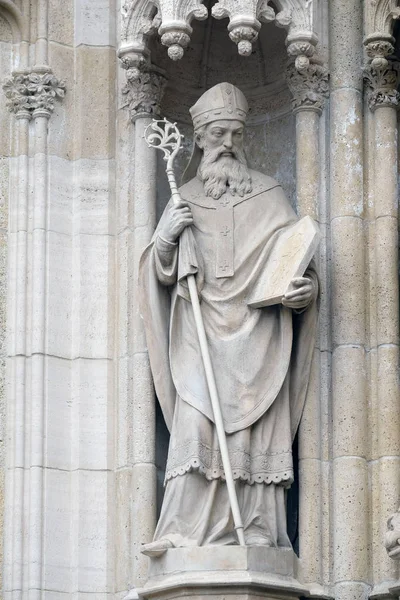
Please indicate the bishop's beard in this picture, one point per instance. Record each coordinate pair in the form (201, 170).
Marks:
(218, 173)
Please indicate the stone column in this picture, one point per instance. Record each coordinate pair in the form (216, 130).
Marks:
(17, 300)
(30, 94)
(136, 224)
(351, 519)
(382, 78)
(309, 87)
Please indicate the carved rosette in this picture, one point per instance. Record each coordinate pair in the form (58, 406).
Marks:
(144, 89)
(309, 86)
(392, 537)
(33, 93)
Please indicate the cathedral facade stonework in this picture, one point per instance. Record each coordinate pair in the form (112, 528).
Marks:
(83, 444)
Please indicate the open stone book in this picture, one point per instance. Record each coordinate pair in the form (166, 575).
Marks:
(289, 259)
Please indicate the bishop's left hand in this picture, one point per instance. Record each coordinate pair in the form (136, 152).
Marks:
(302, 292)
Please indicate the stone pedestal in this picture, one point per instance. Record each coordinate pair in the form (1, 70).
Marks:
(223, 573)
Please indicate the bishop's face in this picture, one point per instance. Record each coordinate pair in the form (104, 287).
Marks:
(223, 165)
(224, 137)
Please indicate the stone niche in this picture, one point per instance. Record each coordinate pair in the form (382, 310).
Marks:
(270, 148)
(270, 132)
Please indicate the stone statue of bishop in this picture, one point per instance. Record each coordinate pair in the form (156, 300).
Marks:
(261, 356)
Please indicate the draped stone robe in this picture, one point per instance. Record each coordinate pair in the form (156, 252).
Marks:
(261, 357)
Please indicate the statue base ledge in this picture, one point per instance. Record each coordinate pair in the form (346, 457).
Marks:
(224, 573)
(386, 590)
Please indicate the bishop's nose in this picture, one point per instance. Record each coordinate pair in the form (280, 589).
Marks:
(228, 141)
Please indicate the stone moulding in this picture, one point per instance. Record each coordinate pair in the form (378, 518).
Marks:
(34, 90)
(225, 572)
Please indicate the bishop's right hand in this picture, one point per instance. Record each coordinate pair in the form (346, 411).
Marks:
(177, 217)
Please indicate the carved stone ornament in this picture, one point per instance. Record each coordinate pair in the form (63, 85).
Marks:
(173, 19)
(378, 47)
(382, 78)
(309, 86)
(246, 17)
(392, 537)
(144, 89)
(32, 91)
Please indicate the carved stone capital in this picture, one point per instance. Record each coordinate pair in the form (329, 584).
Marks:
(392, 536)
(378, 47)
(33, 92)
(382, 82)
(144, 89)
(381, 74)
(308, 85)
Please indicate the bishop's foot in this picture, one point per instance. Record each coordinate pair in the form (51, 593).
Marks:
(157, 548)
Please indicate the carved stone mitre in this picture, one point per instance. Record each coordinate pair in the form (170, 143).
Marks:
(223, 101)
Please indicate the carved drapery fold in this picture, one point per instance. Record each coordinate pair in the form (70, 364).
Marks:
(32, 91)
(309, 86)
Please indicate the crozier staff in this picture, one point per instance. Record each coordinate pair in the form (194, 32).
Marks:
(261, 357)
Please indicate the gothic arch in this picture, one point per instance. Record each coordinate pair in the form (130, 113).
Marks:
(137, 21)
(173, 21)
(385, 13)
(10, 12)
